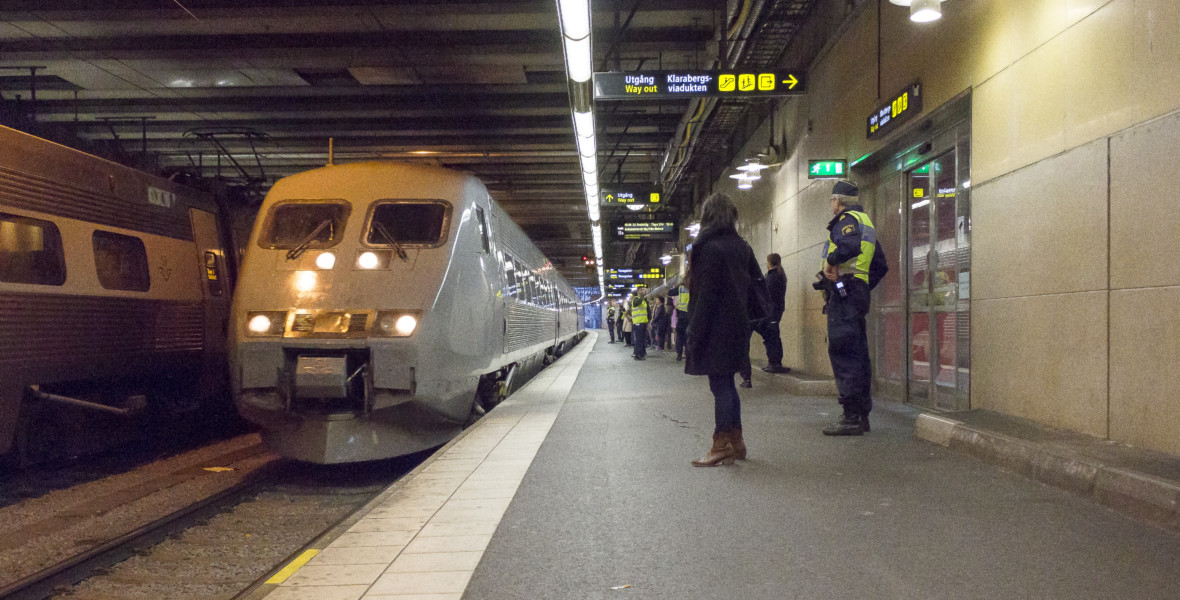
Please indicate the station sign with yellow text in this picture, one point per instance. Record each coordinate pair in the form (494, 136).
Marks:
(662, 85)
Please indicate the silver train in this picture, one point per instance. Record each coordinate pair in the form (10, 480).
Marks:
(383, 306)
(114, 296)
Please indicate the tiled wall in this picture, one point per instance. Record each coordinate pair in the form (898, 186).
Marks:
(1076, 306)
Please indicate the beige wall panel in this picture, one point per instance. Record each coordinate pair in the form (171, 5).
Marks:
(1042, 358)
(1143, 163)
(1156, 88)
(1144, 352)
(1018, 116)
(1042, 229)
(814, 359)
(1099, 62)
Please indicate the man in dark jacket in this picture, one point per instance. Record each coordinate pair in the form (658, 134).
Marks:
(721, 266)
(776, 283)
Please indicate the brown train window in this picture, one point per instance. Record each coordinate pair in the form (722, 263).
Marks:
(121, 262)
(30, 251)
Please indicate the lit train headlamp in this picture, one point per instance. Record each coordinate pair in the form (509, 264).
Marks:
(266, 323)
(396, 323)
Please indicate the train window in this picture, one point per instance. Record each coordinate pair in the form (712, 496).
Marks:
(509, 276)
(483, 229)
(30, 251)
(306, 223)
(420, 223)
(121, 262)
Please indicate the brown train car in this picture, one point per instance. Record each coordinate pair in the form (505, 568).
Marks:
(114, 295)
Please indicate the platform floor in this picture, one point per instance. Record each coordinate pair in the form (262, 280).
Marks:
(580, 487)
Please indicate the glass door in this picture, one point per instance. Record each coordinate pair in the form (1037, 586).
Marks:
(939, 281)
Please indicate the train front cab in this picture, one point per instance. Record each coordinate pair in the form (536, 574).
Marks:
(344, 347)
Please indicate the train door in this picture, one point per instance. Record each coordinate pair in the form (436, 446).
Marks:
(216, 285)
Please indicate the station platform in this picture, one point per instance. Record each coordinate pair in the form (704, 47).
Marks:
(580, 486)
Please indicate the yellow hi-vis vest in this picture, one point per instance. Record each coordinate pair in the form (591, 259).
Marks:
(638, 311)
(682, 300)
(859, 264)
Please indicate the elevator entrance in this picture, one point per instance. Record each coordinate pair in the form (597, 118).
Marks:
(921, 317)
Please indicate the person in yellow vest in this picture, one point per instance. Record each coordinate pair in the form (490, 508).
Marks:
(848, 259)
(610, 319)
(639, 318)
(682, 317)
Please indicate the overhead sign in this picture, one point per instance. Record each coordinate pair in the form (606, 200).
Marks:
(634, 274)
(629, 194)
(822, 169)
(638, 231)
(662, 85)
(902, 106)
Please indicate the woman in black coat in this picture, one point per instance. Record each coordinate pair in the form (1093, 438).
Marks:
(722, 266)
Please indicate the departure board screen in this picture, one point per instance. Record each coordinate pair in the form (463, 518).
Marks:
(635, 274)
(642, 231)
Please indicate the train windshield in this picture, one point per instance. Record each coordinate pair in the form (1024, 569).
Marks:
(408, 223)
(313, 224)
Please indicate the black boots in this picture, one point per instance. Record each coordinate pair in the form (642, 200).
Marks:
(849, 424)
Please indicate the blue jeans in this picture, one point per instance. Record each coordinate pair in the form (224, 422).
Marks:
(727, 406)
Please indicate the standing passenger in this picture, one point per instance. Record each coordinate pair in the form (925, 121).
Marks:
(682, 317)
(610, 320)
(657, 320)
(776, 284)
(627, 325)
(722, 267)
(639, 320)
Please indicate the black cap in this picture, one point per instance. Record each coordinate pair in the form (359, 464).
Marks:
(844, 188)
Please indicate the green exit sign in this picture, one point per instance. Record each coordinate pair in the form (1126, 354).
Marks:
(821, 169)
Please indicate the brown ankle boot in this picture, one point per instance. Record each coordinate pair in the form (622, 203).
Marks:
(720, 454)
(739, 445)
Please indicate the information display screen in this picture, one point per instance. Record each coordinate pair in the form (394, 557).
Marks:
(900, 107)
(647, 195)
(662, 85)
(640, 231)
(634, 274)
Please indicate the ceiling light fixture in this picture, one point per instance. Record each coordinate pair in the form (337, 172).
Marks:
(925, 11)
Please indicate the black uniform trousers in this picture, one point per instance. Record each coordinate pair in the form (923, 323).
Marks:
(681, 332)
(848, 346)
(610, 326)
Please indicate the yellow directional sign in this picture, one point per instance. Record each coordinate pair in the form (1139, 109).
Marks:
(655, 85)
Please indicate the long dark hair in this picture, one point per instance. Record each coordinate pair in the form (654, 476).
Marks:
(718, 212)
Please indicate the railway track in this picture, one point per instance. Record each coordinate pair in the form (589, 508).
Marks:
(210, 545)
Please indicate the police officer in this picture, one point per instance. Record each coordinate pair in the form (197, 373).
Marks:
(610, 320)
(848, 259)
(639, 319)
(682, 317)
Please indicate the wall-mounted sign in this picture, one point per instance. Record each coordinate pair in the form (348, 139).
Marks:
(647, 195)
(634, 274)
(656, 85)
(900, 107)
(822, 169)
(636, 231)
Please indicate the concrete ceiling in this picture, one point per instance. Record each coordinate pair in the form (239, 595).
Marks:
(469, 84)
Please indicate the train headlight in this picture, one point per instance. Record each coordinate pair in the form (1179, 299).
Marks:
(326, 260)
(405, 324)
(305, 280)
(368, 260)
(268, 323)
(396, 323)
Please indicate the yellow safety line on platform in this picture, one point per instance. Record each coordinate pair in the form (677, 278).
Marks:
(293, 566)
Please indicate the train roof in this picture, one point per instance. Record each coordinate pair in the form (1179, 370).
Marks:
(376, 179)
